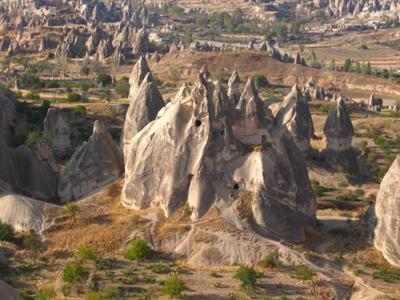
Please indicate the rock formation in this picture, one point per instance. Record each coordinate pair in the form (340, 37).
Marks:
(23, 213)
(339, 131)
(95, 163)
(137, 75)
(191, 153)
(144, 103)
(8, 114)
(58, 131)
(296, 117)
(26, 173)
(7, 292)
(387, 213)
(234, 88)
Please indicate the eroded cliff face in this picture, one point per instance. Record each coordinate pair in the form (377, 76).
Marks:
(192, 153)
(387, 214)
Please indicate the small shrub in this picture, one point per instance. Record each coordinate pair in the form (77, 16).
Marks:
(122, 87)
(247, 276)
(6, 232)
(303, 273)
(138, 250)
(159, 269)
(87, 253)
(26, 295)
(112, 293)
(271, 260)
(173, 286)
(46, 294)
(74, 273)
(104, 79)
(387, 275)
(73, 97)
(35, 137)
(318, 189)
(71, 209)
(32, 96)
(260, 81)
(34, 244)
(93, 296)
(80, 110)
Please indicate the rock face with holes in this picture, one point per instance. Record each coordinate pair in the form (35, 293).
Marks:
(58, 130)
(387, 213)
(339, 131)
(96, 163)
(295, 115)
(145, 102)
(204, 151)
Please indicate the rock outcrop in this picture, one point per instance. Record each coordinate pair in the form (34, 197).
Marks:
(234, 87)
(7, 292)
(23, 213)
(387, 213)
(8, 114)
(295, 115)
(191, 153)
(339, 131)
(58, 131)
(26, 173)
(144, 105)
(95, 163)
(137, 75)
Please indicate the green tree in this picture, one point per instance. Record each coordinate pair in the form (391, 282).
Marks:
(348, 65)
(173, 286)
(385, 73)
(74, 273)
(85, 70)
(187, 38)
(333, 65)
(71, 209)
(367, 69)
(358, 67)
(247, 276)
(104, 79)
(238, 17)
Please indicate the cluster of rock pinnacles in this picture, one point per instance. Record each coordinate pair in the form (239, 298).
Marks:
(204, 147)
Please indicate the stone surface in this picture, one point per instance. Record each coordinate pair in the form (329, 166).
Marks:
(295, 115)
(26, 173)
(7, 292)
(8, 114)
(143, 108)
(234, 87)
(95, 163)
(191, 153)
(387, 213)
(58, 131)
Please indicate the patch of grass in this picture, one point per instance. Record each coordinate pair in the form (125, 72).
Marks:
(318, 189)
(47, 293)
(6, 232)
(303, 273)
(160, 268)
(87, 253)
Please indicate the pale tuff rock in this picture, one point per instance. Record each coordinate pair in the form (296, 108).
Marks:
(338, 128)
(387, 213)
(7, 292)
(27, 173)
(58, 131)
(234, 88)
(253, 120)
(137, 75)
(183, 92)
(190, 153)
(23, 213)
(143, 108)
(95, 163)
(339, 131)
(296, 117)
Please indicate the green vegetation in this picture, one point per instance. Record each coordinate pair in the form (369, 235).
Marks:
(36, 137)
(122, 87)
(349, 196)
(80, 110)
(34, 245)
(387, 274)
(47, 293)
(138, 250)
(174, 74)
(318, 189)
(303, 273)
(6, 232)
(271, 260)
(73, 97)
(173, 286)
(260, 81)
(32, 96)
(87, 253)
(247, 276)
(160, 268)
(73, 273)
(104, 79)
(71, 209)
